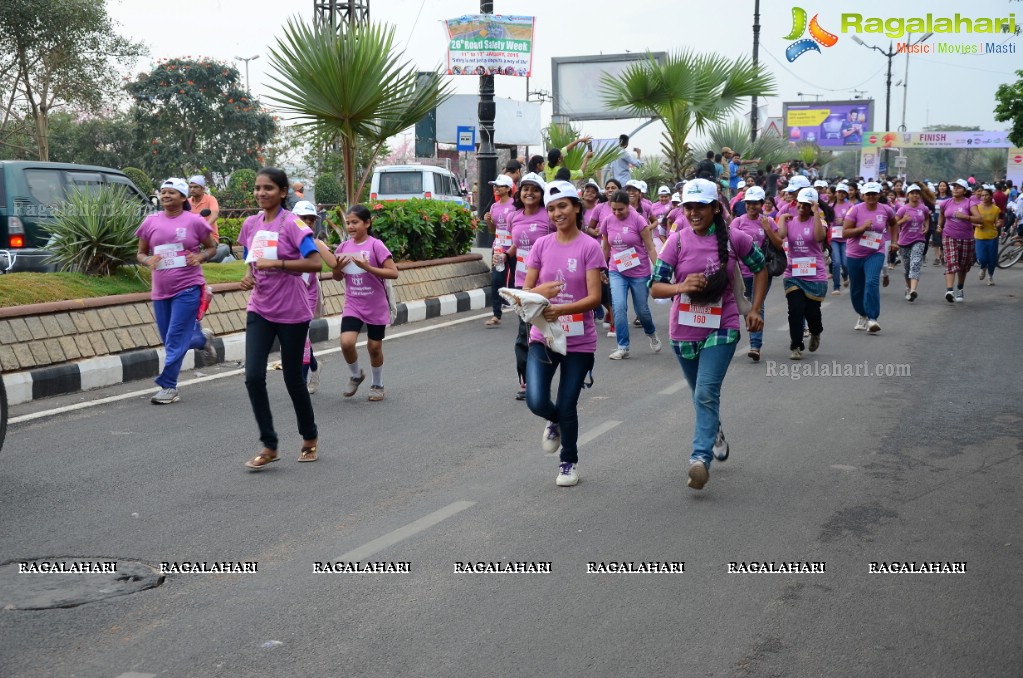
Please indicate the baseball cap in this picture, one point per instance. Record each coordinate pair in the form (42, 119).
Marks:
(304, 208)
(797, 182)
(679, 185)
(642, 186)
(533, 178)
(962, 182)
(636, 184)
(502, 180)
(726, 149)
(675, 197)
(198, 179)
(741, 185)
(820, 183)
(912, 187)
(559, 189)
(701, 191)
(807, 195)
(754, 193)
(592, 182)
(844, 187)
(177, 184)
(871, 187)
(663, 190)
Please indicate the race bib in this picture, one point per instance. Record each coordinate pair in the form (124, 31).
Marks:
(836, 232)
(572, 325)
(503, 239)
(699, 315)
(264, 246)
(871, 240)
(171, 256)
(352, 268)
(804, 266)
(520, 256)
(785, 246)
(625, 259)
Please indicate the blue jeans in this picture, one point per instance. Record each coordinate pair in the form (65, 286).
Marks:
(839, 265)
(179, 331)
(987, 254)
(620, 287)
(540, 368)
(865, 284)
(704, 376)
(756, 339)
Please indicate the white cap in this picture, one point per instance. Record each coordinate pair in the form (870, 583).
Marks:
(177, 184)
(593, 182)
(533, 178)
(663, 190)
(741, 185)
(807, 195)
(502, 180)
(700, 190)
(842, 186)
(198, 179)
(636, 184)
(675, 197)
(559, 189)
(820, 183)
(642, 186)
(930, 186)
(871, 187)
(754, 193)
(989, 187)
(963, 183)
(797, 182)
(911, 188)
(304, 208)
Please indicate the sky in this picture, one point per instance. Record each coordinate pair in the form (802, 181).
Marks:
(956, 89)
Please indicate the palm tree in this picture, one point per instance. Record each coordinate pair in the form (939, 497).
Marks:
(687, 91)
(735, 134)
(353, 85)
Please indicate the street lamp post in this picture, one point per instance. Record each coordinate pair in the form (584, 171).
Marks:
(247, 60)
(905, 79)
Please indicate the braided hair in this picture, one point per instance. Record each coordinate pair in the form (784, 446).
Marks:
(722, 278)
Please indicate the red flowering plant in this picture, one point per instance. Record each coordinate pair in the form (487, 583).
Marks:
(417, 230)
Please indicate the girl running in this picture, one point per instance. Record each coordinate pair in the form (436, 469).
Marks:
(912, 220)
(988, 221)
(497, 221)
(306, 211)
(943, 195)
(957, 241)
(806, 280)
(839, 264)
(863, 229)
(759, 227)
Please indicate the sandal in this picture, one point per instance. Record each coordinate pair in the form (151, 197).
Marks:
(259, 462)
(308, 453)
(493, 322)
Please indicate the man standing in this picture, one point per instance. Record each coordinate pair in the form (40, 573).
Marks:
(735, 164)
(200, 200)
(621, 168)
(299, 189)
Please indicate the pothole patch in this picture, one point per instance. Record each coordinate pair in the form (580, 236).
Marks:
(69, 581)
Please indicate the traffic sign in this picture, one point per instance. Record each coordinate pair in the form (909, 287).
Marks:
(466, 138)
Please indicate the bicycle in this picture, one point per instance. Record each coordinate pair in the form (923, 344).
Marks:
(1010, 253)
(7, 260)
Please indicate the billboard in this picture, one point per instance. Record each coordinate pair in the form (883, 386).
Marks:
(490, 44)
(576, 84)
(516, 123)
(936, 140)
(829, 124)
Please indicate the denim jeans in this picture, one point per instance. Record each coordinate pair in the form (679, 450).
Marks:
(704, 376)
(865, 284)
(620, 287)
(179, 331)
(540, 369)
(987, 254)
(839, 265)
(499, 279)
(756, 339)
(259, 338)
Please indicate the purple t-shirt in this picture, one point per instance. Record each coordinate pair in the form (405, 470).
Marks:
(841, 210)
(526, 230)
(699, 254)
(913, 230)
(568, 263)
(312, 281)
(499, 212)
(279, 296)
(754, 230)
(805, 254)
(628, 250)
(598, 213)
(365, 294)
(957, 219)
(171, 238)
(861, 247)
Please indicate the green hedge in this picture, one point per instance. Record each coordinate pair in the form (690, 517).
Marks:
(418, 230)
(140, 179)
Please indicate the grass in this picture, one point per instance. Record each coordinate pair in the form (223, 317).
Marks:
(18, 289)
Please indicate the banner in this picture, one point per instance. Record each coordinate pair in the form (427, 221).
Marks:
(870, 166)
(490, 44)
(936, 140)
(1014, 168)
(829, 124)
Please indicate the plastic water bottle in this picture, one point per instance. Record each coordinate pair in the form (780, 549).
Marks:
(207, 297)
(499, 255)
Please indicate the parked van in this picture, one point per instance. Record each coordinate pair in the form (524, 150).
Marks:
(404, 182)
(29, 192)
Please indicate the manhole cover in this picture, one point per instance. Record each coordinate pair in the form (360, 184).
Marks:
(69, 581)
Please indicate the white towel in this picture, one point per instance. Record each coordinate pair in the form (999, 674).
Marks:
(530, 307)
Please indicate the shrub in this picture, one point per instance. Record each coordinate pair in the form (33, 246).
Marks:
(140, 179)
(230, 227)
(94, 233)
(238, 194)
(327, 190)
(418, 230)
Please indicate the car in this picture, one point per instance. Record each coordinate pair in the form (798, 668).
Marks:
(404, 182)
(30, 191)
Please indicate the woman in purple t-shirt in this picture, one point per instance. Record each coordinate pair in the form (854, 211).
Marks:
(864, 229)
(806, 279)
(564, 267)
(173, 244)
(912, 221)
(760, 228)
(839, 263)
(957, 241)
(278, 248)
(497, 222)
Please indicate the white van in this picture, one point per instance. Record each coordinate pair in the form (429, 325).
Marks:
(404, 182)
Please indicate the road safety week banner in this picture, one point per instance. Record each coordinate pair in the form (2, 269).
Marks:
(490, 44)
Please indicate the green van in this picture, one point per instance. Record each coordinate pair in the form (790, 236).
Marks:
(29, 191)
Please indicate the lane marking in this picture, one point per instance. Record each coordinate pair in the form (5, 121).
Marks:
(223, 375)
(595, 433)
(672, 390)
(133, 674)
(415, 527)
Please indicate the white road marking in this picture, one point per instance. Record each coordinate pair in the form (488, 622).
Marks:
(415, 527)
(672, 390)
(223, 375)
(595, 433)
(133, 674)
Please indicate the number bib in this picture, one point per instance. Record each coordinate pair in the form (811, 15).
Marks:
(172, 255)
(836, 232)
(625, 259)
(871, 240)
(804, 266)
(264, 246)
(697, 315)
(572, 325)
(520, 256)
(503, 238)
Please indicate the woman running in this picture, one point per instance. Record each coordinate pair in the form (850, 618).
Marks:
(497, 222)
(564, 267)
(173, 244)
(306, 211)
(957, 243)
(806, 280)
(759, 227)
(863, 229)
(988, 220)
(943, 195)
(278, 248)
(912, 221)
(704, 316)
(839, 263)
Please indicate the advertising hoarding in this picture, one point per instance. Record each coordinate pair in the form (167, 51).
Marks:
(829, 124)
(576, 84)
(490, 44)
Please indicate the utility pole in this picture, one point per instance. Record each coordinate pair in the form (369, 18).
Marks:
(247, 60)
(486, 156)
(756, 62)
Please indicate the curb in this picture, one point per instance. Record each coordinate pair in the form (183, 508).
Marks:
(84, 375)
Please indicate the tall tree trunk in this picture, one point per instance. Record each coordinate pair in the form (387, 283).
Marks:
(348, 159)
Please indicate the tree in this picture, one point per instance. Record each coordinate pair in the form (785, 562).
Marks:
(735, 134)
(57, 53)
(1010, 108)
(195, 117)
(354, 85)
(561, 135)
(108, 141)
(686, 92)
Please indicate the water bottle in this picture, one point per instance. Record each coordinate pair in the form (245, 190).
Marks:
(499, 255)
(207, 297)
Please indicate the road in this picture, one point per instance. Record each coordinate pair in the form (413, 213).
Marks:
(920, 467)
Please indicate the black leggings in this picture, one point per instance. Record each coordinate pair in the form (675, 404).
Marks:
(522, 350)
(259, 338)
(802, 308)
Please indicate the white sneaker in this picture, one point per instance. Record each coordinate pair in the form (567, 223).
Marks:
(720, 447)
(983, 273)
(655, 343)
(165, 396)
(907, 296)
(551, 438)
(606, 325)
(991, 281)
(873, 326)
(209, 351)
(796, 354)
(619, 354)
(314, 379)
(861, 324)
(568, 475)
(960, 297)
(698, 474)
(611, 333)
(949, 296)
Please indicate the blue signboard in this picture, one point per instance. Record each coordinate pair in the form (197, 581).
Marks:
(466, 138)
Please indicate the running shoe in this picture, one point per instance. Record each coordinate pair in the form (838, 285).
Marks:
(806, 331)
(698, 474)
(520, 394)
(836, 293)
(861, 324)
(907, 296)
(991, 280)
(949, 296)
(983, 274)
(796, 354)
(815, 342)
(637, 323)
(313, 383)
(754, 354)
(551, 438)
(960, 297)
(376, 394)
(619, 354)
(873, 326)
(720, 448)
(885, 279)
(845, 281)
(353, 384)
(655, 343)
(209, 351)
(165, 396)
(606, 325)
(568, 475)
(912, 295)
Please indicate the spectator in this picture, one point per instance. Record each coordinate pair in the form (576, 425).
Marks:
(200, 200)
(555, 158)
(705, 168)
(299, 189)
(621, 168)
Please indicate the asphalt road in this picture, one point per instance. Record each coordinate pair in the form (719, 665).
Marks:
(925, 466)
